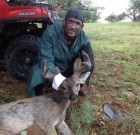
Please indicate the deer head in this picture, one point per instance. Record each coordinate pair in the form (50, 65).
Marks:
(71, 86)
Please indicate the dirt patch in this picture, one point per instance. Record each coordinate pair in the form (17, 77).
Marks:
(11, 89)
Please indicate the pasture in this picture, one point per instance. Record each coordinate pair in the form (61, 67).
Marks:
(115, 81)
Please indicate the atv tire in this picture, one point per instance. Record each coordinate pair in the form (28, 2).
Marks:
(21, 55)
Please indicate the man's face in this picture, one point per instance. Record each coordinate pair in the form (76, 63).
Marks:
(73, 27)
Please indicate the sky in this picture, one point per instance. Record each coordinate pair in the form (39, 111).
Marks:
(111, 6)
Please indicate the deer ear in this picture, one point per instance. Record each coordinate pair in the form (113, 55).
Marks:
(77, 63)
(82, 66)
(83, 77)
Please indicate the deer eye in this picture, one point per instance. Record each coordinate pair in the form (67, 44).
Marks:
(63, 88)
(77, 85)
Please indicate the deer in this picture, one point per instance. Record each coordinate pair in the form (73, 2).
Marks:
(48, 111)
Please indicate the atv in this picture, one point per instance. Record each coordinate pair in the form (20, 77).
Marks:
(22, 23)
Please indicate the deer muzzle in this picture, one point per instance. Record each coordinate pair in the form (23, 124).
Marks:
(73, 97)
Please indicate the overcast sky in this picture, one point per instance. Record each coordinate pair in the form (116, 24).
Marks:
(111, 6)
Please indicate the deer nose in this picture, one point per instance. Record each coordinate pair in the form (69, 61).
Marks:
(73, 97)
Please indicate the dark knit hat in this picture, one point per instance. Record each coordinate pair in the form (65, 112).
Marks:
(76, 14)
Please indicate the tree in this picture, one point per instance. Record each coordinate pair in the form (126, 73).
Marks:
(121, 16)
(91, 13)
(133, 12)
(94, 16)
(112, 18)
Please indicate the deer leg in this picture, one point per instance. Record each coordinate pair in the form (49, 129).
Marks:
(64, 129)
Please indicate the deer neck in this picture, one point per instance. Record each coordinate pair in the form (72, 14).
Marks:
(61, 99)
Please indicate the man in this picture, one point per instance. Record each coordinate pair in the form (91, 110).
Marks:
(61, 44)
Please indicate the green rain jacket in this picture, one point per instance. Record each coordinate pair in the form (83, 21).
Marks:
(55, 50)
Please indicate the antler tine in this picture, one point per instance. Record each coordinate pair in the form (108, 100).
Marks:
(81, 66)
(46, 71)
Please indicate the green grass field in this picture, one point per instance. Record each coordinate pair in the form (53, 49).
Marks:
(115, 81)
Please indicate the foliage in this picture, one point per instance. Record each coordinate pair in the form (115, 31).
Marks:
(81, 117)
(121, 16)
(112, 18)
(133, 12)
(91, 13)
(91, 16)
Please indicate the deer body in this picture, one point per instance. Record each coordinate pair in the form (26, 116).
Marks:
(43, 110)
(47, 111)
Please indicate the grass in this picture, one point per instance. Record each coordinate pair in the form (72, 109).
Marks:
(117, 71)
